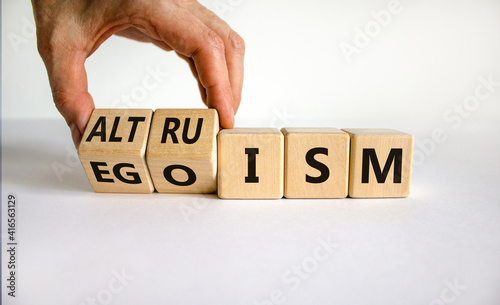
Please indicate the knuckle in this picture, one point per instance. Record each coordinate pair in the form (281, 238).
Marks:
(44, 46)
(48, 44)
(61, 99)
(215, 42)
(237, 42)
(59, 37)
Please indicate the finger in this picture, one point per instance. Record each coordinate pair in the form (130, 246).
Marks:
(68, 81)
(234, 49)
(188, 36)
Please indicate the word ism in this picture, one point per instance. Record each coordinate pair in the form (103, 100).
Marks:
(183, 151)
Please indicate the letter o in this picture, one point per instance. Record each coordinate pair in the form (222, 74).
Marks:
(471, 103)
(167, 173)
(436, 302)
(104, 296)
(139, 93)
(372, 28)
(310, 264)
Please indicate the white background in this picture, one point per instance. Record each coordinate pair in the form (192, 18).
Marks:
(425, 62)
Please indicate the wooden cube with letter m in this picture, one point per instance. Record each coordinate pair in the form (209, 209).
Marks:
(381, 163)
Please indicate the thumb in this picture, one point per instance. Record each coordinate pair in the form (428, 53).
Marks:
(68, 81)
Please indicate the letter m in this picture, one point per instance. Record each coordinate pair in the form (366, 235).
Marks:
(395, 156)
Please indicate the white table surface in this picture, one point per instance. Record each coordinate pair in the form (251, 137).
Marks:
(198, 249)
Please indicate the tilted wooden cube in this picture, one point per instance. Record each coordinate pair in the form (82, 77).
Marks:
(250, 164)
(182, 150)
(381, 163)
(316, 162)
(113, 150)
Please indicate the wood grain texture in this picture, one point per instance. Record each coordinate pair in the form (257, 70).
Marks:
(183, 142)
(304, 147)
(113, 149)
(387, 145)
(235, 178)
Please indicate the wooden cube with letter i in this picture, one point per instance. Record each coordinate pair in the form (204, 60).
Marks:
(113, 150)
(182, 150)
(250, 164)
(380, 163)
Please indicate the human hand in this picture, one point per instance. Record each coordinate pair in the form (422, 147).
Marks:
(70, 31)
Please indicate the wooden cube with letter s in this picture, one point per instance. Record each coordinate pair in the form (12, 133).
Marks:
(113, 150)
(316, 162)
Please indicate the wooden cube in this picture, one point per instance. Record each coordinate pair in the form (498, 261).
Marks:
(250, 164)
(380, 163)
(316, 162)
(182, 150)
(113, 150)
